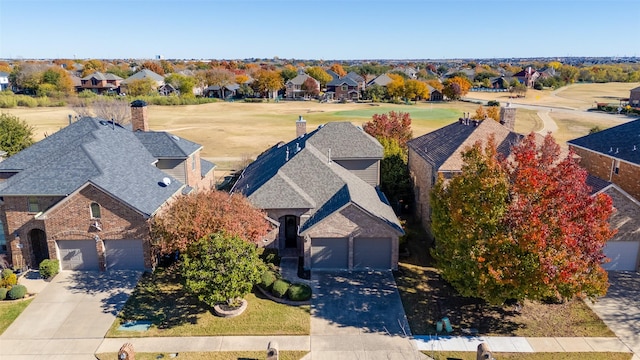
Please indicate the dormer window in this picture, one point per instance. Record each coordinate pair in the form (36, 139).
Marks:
(95, 211)
(34, 206)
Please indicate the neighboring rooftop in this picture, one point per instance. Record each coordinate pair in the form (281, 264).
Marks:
(620, 142)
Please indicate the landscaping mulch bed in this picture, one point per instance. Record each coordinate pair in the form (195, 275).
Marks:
(427, 298)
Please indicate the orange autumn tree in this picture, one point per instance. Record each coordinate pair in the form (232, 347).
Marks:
(522, 228)
(191, 217)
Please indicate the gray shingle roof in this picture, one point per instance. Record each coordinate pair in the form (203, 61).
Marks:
(620, 142)
(144, 74)
(299, 175)
(164, 145)
(355, 76)
(299, 79)
(90, 151)
(206, 167)
(442, 147)
(100, 76)
(596, 183)
(342, 81)
(382, 80)
(346, 141)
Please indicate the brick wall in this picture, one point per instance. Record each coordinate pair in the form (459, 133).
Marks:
(71, 220)
(352, 222)
(602, 166)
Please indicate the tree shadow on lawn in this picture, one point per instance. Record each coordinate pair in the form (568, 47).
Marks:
(160, 298)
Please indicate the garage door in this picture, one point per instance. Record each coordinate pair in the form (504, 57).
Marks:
(124, 254)
(329, 253)
(623, 255)
(78, 254)
(372, 253)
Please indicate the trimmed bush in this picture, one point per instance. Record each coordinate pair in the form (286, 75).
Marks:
(493, 103)
(8, 278)
(280, 288)
(49, 268)
(270, 256)
(299, 292)
(17, 292)
(3, 293)
(267, 279)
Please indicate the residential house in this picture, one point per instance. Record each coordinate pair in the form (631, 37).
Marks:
(358, 79)
(321, 188)
(527, 76)
(382, 80)
(84, 194)
(157, 79)
(435, 94)
(344, 88)
(296, 89)
(500, 82)
(623, 250)
(634, 97)
(4, 81)
(222, 92)
(167, 89)
(101, 83)
(613, 155)
(439, 153)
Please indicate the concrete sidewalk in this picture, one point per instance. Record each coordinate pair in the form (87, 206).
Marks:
(522, 344)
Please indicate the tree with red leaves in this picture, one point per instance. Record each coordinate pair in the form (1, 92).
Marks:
(392, 126)
(191, 217)
(522, 228)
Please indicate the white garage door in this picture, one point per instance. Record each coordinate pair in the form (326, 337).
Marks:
(372, 253)
(124, 254)
(329, 253)
(623, 255)
(78, 254)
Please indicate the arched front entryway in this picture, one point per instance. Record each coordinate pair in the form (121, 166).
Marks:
(290, 232)
(39, 247)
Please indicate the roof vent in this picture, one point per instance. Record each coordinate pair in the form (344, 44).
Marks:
(611, 149)
(174, 137)
(166, 181)
(616, 150)
(634, 148)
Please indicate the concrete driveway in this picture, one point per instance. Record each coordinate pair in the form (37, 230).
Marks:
(620, 308)
(69, 317)
(359, 315)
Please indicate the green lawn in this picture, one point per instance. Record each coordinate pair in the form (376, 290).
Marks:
(9, 311)
(160, 298)
(221, 355)
(459, 355)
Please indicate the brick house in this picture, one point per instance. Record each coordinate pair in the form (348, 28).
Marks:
(101, 83)
(344, 88)
(84, 194)
(294, 88)
(527, 76)
(613, 155)
(623, 249)
(634, 97)
(439, 153)
(321, 188)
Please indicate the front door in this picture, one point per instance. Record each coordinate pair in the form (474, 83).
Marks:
(290, 232)
(39, 245)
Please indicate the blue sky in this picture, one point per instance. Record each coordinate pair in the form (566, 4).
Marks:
(309, 29)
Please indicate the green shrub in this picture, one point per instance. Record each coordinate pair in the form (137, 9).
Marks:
(8, 278)
(17, 292)
(299, 292)
(7, 102)
(49, 267)
(3, 293)
(267, 279)
(27, 101)
(280, 288)
(253, 100)
(493, 103)
(270, 256)
(86, 94)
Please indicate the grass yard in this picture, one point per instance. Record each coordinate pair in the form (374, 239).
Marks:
(220, 355)
(10, 310)
(160, 298)
(427, 298)
(459, 355)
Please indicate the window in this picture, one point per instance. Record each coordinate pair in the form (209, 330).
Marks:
(3, 240)
(95, 211)
(193, 162)
(34, 207)
(345, 88)
(616, 167)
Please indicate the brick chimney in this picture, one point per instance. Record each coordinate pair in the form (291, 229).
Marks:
(301, 126)
(508, 117)
(139, 119)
